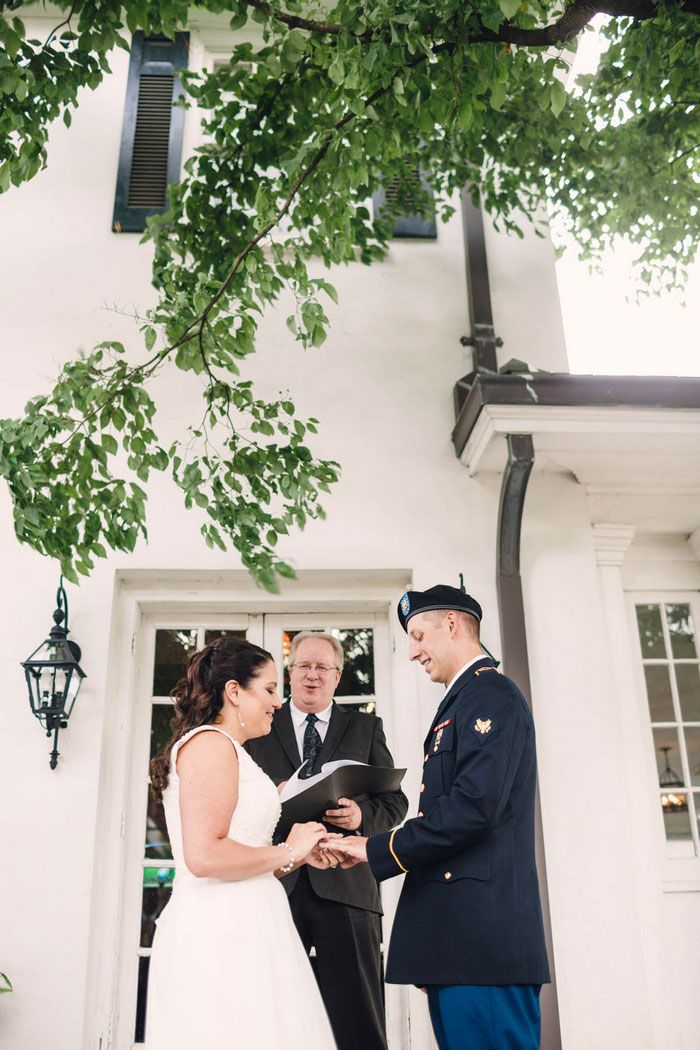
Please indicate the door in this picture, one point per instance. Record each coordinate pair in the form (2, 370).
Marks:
(165, 645)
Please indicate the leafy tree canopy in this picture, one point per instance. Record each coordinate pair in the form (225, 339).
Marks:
(301, 127)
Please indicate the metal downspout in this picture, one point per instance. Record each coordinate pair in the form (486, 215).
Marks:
(521, 456)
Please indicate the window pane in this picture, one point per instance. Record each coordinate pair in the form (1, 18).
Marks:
(680, 626)
(357, 678)
(367, 709)
(692, 743)
(140, 1029)
(677, 825)
(173, 647)
(650, 631)
(668, 759)
(688, 680)
(161, 717)
(212, 635)
(157, 887)
(659, 693)
(157, 841)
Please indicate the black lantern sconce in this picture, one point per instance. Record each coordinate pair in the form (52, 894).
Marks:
(54, 675)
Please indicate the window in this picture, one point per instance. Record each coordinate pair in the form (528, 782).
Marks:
(667, 636)
(410, 224)
(151, 144)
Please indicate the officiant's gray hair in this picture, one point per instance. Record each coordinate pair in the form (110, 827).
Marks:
(337, 647)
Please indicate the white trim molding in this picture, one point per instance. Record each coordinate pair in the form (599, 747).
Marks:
(694, 542)
(611, 543)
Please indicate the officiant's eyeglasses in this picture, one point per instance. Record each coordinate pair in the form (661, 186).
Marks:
(319, 668)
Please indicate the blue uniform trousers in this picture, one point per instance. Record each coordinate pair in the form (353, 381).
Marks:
(476, 1017)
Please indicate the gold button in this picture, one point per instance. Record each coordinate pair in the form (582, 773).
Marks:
(426, 758)
(448, 874)
(420, 814)
(422, 787)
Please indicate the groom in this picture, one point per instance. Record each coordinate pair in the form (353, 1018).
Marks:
(468, 926)
(336, 912)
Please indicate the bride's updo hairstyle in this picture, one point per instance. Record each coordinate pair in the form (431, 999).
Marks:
(199, 696)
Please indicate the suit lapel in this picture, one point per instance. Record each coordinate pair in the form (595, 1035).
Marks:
(284, 727)
(337, 725)
(463, 680)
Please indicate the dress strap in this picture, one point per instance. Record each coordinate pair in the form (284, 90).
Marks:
(193, 732)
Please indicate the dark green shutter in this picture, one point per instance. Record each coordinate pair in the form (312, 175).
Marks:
(151, 145)
(411, 224)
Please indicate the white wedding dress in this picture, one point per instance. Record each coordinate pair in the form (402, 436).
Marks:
(228, 971)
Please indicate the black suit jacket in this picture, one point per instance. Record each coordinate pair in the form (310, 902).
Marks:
(350, 734)
(469, 911)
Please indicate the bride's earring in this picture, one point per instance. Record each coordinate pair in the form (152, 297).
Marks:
(238, 712)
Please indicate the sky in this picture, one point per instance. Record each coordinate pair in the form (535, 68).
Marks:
(606, 333)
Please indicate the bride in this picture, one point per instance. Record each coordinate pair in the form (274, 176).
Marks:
(228, 971)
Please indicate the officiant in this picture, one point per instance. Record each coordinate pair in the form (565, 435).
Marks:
(337, 912)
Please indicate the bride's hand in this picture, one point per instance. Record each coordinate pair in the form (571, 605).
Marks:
(324, 858)
(323, 855)
(303, 837)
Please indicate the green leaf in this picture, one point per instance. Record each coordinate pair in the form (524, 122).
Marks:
(239, 19)
(498, 96)
(336, 71)
(319, 335)
(557, 96)
(509, 8)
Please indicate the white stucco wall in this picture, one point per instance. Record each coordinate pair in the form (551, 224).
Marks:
(382, 390)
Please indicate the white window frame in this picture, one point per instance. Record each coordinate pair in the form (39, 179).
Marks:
(144, 601)
(681, 874)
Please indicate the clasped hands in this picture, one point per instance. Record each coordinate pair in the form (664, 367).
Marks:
(335, 849)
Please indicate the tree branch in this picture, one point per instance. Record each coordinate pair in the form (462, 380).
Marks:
(294, 21)
(574, 19)
(65, 22)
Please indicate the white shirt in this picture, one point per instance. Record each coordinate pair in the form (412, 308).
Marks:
(299, 722)
(481, 656)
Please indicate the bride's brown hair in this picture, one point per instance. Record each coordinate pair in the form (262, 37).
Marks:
(199, 696)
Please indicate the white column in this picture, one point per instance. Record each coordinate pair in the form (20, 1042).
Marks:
(611, 543)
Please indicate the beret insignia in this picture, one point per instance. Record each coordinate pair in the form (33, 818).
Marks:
(405, 603)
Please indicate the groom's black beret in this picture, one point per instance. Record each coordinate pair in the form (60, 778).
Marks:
(439, 597)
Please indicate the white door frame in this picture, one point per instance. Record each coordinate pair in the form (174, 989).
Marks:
(144, 598)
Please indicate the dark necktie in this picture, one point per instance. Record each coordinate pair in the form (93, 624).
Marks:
(312, 746)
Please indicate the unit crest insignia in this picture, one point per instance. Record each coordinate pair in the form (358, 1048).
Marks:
(483, 726)
(405, 604)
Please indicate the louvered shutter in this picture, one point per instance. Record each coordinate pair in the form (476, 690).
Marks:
(151, 145)
(411, 224)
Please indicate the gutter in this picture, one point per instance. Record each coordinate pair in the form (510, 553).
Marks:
(545, 388)
(511, 615)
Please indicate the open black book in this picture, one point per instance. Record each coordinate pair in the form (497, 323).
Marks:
(309, 799)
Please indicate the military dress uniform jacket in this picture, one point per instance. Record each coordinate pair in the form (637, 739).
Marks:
(469, 911)
(353, 735)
